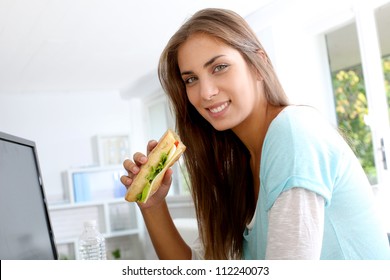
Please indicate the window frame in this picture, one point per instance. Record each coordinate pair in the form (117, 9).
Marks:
(363, 14)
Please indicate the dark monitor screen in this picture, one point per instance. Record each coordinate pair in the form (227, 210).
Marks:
(25, 229)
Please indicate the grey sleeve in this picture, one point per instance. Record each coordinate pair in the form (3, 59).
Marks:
(296, 225)
(197, 250)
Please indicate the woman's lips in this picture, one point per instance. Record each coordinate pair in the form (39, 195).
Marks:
(218, 108)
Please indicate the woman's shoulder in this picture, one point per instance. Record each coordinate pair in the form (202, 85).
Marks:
(301, 125)
(295, 113)
(298, 119)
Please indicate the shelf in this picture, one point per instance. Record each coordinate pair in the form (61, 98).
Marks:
(117, 219)
(66, 205)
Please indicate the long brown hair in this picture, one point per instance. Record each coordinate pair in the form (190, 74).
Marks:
(218, 163)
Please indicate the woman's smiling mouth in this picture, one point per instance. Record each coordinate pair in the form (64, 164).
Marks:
(219, 107)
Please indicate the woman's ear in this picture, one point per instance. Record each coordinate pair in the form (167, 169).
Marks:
(262, 55)
(264, 58)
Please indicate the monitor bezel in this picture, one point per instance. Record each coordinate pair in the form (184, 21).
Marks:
(29, 143)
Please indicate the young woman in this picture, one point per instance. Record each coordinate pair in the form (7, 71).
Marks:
(269, 180)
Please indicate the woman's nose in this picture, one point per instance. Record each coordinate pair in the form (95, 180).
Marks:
(208, 89)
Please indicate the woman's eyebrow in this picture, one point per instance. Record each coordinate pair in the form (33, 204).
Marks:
(210, 61)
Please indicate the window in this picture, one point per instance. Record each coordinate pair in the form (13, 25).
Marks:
(361, 93)
(382, 17)
(350, 95)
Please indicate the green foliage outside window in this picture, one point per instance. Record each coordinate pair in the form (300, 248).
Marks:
(351, 109)
(386, 70)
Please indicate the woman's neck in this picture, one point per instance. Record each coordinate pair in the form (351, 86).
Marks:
(253, 130)
(252, 133)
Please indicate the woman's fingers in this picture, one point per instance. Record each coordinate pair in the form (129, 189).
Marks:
(151, 145)
(133, 167)
(126, 181)
(139, 159)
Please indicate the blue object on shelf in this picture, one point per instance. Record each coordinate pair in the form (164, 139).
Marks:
(98, 184)
(81, 186)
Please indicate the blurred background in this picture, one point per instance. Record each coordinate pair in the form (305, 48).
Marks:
(80, 79)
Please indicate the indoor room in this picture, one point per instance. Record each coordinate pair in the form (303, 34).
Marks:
(79, 79)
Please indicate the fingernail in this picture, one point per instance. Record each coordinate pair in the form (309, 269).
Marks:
(143, 160)
(135, 169)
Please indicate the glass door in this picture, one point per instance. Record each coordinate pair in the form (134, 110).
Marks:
(359, 56)
(382, 19)
(350, 96)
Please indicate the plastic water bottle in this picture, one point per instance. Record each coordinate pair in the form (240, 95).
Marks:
(92, 245)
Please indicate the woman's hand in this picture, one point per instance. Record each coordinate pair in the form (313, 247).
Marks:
(133, 168)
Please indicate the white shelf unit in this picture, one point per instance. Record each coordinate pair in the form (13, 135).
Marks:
(118, 220)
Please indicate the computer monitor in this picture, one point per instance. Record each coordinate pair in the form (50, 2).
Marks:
(25, 228)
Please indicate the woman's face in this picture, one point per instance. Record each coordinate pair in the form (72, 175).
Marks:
(220, 84)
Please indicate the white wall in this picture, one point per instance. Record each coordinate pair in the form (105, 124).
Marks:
(298, 54)
(63, 125)
(302, 66)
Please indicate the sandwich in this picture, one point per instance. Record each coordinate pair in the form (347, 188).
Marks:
(163, 156)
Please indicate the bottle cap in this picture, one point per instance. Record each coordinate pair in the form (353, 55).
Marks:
(90, 223)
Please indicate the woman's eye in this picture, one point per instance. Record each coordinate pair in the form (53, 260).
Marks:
(220, 67)
(189, 80)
